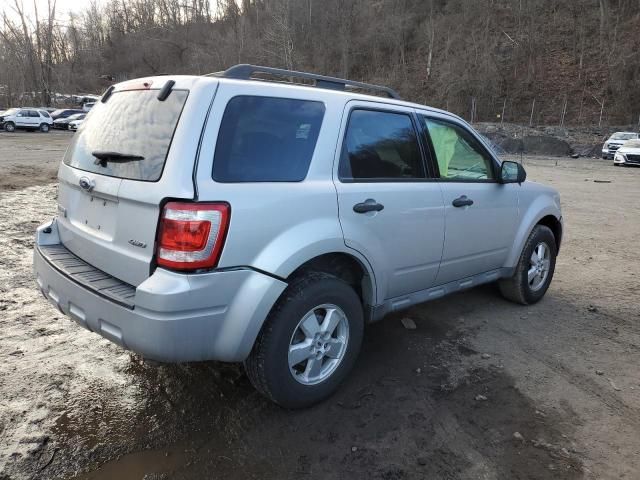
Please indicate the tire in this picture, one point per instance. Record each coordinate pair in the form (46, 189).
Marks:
(309, 297)
(519, 288)
(9, 127)
(44, 128)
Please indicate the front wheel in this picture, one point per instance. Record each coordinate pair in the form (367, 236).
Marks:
(9, 127)
(534, 270)
(44, 128)
(309, 342)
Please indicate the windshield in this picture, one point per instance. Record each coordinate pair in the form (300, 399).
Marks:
(131, 122)
(632, 144)
(624, 136)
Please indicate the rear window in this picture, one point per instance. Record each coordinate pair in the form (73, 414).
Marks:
(264, 139)
(133, 123)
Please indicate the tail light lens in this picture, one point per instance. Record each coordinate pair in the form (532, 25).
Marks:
(192, 235)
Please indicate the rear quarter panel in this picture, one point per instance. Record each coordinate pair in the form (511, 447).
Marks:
(277, 226)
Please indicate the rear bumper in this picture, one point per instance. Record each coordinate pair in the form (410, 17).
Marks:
(174, 317)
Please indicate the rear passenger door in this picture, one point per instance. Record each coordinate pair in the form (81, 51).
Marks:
(481, 214)
(391, 210)
(34, 118)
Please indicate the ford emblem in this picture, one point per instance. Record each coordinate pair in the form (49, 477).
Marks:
(86, 184)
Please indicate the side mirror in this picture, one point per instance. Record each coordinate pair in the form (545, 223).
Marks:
(512, 172)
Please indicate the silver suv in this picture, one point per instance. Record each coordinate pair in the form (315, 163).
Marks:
(240, 219)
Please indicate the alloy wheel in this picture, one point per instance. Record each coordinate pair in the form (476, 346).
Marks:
(318, 344)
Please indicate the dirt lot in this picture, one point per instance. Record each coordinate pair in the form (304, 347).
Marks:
(481, 389)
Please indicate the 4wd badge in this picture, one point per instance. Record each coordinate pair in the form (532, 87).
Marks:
(137, 243)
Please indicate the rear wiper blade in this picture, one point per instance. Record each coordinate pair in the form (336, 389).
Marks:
(102, 157)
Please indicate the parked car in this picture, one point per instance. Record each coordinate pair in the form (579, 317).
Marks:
(26, 119)
(615, 141)
(65, 112)
(63, 122)
(239, 219)
(88, 106)
(628, 153)
(75, 124)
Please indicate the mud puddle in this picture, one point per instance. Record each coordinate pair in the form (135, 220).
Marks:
(444, 413)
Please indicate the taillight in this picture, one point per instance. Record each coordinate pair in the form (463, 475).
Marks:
(191, 235)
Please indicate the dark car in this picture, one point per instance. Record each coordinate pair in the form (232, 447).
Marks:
(64, 113)
(63, 122)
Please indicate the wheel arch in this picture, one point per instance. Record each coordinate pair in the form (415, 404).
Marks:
(543, 211)
(555, 225)
(346, 266)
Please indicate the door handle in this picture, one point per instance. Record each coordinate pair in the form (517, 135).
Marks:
(462, 201)
(369, 205)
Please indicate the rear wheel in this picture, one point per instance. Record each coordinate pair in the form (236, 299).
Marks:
(534, 270)
(309, 342)
(10, 127)
(44, 127)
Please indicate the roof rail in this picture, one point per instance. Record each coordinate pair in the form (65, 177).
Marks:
(247, 72)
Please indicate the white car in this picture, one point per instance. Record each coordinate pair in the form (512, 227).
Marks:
(27, 119)
(75, 124)
(614, 142)
(628, 153)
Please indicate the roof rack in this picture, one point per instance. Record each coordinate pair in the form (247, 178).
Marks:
(247, 72)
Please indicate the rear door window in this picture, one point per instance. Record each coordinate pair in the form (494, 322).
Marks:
(380, 146)
(133, 123)
(265, 139)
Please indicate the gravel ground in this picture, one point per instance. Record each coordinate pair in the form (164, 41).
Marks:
(481, 388)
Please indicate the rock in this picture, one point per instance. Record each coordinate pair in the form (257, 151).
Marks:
(601, 181)
(545, 145)
(354, 449)
(591, 308)
(17, 352)
(614, 386)
(481, 398)
(599, 372)
(422, 461)
(485, 356)
(408, 323)
(518, 436)
(418, 370)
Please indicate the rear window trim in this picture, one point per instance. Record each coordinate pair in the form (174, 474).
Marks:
(164, 164)
(229, 100)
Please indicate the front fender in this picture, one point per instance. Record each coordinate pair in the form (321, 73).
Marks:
(532, 211)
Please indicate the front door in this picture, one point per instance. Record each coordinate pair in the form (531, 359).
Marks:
(23, 119)
(481, 215)
(390, 210)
